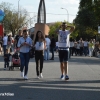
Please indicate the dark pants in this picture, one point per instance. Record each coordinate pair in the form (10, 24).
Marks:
(39, 57)
(85, 51)
(81, 51)
(6, 63)
(4, 48)
(71, 51)
(24, 57)
(52, 51)
(78, 51)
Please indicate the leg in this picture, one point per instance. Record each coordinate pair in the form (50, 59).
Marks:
(8, 64)
(4, 64)
(37, 62)
(45, 54)
(22, 58)
(4, 48)
(26, 63)
(66, 53)
(62, 68)
(41, 62)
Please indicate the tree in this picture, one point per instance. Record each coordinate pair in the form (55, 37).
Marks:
(13, 19)
(88, 18)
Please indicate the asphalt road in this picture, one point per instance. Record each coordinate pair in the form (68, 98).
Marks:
(84, 82)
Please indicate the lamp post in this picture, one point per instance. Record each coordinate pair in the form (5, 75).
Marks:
(67, 14)
(18, 8)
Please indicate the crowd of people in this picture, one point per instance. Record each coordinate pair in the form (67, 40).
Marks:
(84, 47)
(43, 46)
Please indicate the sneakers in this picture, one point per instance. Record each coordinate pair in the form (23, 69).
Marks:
(66, 77)
(41, 76)
(38, 77)
(62, 77)
(52, 59)
(4, 68)
(22, 74)
(25, 77)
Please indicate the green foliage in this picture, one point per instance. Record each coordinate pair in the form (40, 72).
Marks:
(88, 18)
(13, 19)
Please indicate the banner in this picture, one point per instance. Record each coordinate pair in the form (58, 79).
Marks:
(1, 30)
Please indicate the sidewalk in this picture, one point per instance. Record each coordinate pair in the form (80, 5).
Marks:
(84, 82)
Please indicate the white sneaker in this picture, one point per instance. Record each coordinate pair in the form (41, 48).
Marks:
(25, 77)
(38, 77)
(22, 74)
(4, 68)
(41, 76)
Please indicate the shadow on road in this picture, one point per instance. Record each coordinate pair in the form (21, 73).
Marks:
(47, 89)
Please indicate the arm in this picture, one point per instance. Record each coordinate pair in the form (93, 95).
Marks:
(57, 30)
(19, 43)
(71, 28)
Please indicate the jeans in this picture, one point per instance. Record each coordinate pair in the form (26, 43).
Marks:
(6, 63)
(90, 52)
(4, 48)
(85, 51)
(46, 53)
(24, 57)
(39, 57)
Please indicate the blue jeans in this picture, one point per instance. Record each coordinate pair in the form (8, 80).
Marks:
(4, 48)
(24, 57)
(46, 53)
(85, 51)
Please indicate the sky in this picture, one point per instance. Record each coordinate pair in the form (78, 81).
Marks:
(54, 12)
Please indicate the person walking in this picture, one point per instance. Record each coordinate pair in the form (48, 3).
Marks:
(24, 43)
(63, 39)
(46, 51)
(1, 41)
(17, 38)
(52, 46)
(91, 47)
(40, 46)
(5, 39)
(6, 59)
(86, 47)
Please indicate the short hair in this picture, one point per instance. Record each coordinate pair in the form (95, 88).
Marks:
(46, 35)
(64, 23)
(24, 31)
(4, 34)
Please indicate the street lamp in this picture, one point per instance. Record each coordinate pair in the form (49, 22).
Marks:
(67, 14)
(18, 8)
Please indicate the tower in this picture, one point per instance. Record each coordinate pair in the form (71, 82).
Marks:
(41, 12)
(41, 19)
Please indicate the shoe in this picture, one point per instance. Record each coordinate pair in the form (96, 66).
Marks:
(25, 77)
(38, 77)
(22, 74)
(66, 77)
(52, 59)
(4, 68)
(62, 77)
(41, 76)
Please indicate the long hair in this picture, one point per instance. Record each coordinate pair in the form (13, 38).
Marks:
(36, 38)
